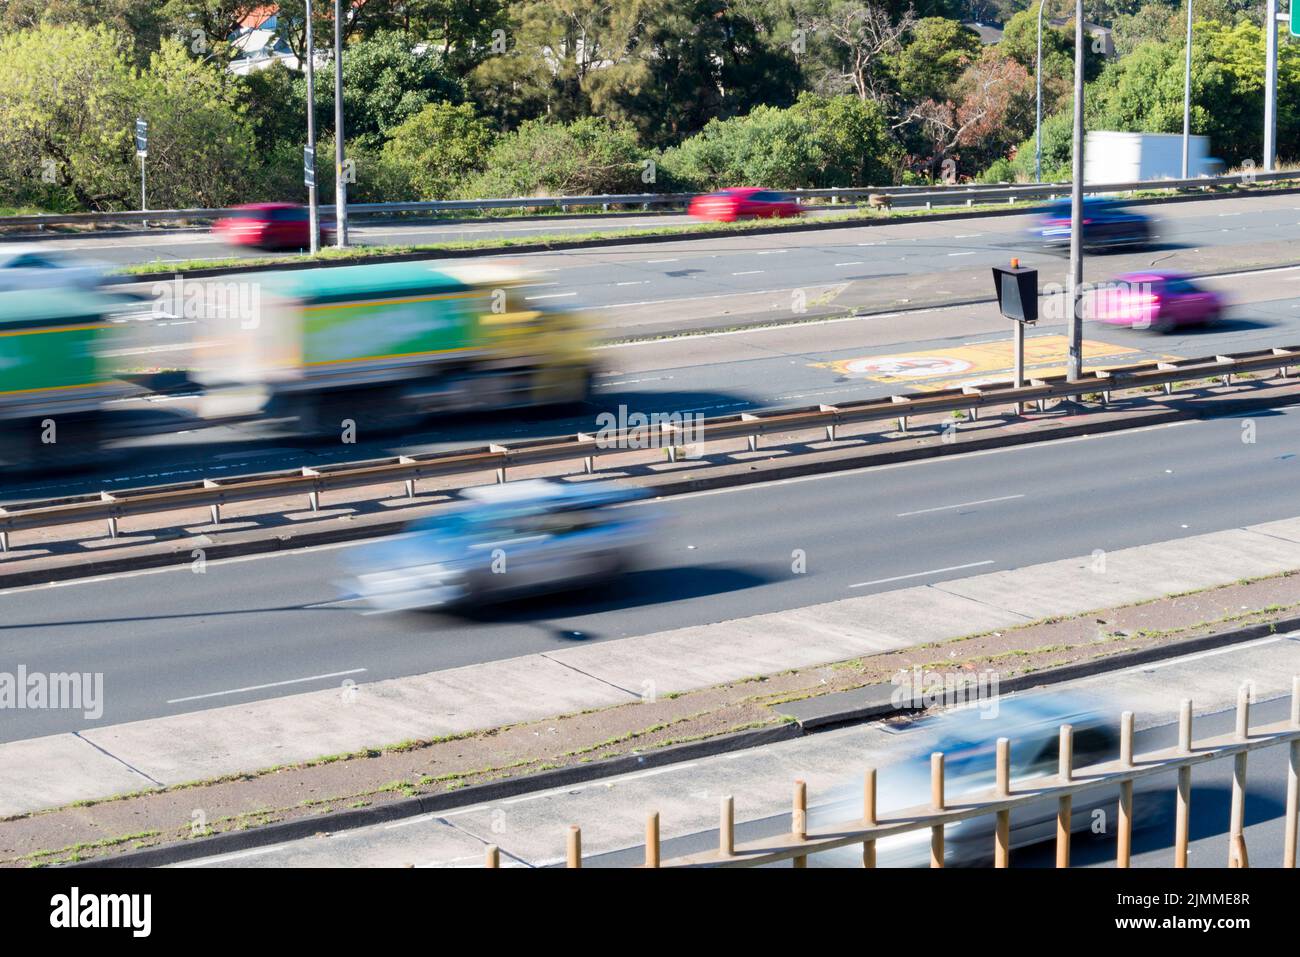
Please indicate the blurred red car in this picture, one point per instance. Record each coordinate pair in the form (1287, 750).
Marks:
(730, 205)
(1151, 300)
(270, 226)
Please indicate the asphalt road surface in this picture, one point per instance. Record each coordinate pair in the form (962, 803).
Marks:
(167, 635)
(713, 374)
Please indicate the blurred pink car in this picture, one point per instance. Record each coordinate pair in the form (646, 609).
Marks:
(1150, 300)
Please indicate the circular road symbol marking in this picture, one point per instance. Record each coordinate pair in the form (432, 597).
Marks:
(908, 366)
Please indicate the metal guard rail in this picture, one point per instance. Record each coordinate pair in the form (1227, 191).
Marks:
(213, 493)
(1003, 798)
(896, 195)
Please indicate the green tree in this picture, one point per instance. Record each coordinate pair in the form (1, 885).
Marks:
(387, 79)
(819, 142)
(935, 53)
(66, 96)
(141, 22)
(1058, 149)
(199, 139)
(1143, 92)
(663, 66)
(546, 158)
(436, 150)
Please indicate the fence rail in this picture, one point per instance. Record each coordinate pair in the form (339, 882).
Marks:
(895, 195)
(588, 448)
(1006, 795)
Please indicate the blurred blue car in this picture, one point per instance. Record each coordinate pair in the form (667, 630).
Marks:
(968, 740)
(507, 540)
(1106, 222)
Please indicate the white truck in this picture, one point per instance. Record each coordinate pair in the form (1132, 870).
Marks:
(1112, 157)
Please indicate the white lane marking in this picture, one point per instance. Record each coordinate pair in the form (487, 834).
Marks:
(1204, 654)
(968, 253)
(942, 508)
(748, 272)
(648, 261)
(207, 861)
(634, 282)
(933, 571)
(273, 684)
(967, 235)
(771, 252)
(683, 299)
(418, 819)
(855, 262)
(551, 295)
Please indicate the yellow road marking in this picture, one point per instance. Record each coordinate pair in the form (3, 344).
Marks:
(946, 368)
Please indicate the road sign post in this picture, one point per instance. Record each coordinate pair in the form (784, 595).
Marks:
(1074, 326)
(340, 172)
(309, 154)
(142, 151)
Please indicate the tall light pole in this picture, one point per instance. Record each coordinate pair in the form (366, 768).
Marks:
(313, 200)
(1270, 87)
(1187, 92)
(1038, 77)
(340, 183)
(1074, 363)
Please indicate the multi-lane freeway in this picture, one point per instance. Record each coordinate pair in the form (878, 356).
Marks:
(699, 285)
(169, 641)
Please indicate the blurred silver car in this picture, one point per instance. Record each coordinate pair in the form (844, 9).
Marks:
(41, 267)
(969, 743)
(507, 540)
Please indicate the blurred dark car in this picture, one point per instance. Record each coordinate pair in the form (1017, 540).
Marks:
(1106, 222)
(270, 226)
(730, 205)
(1158, 301)
(519, 538)
(968, 738)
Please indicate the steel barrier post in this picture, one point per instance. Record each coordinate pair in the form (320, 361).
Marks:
(1124, 839)
(936, 802)
(575, 846)
(727, 828)
(1293, 782)
(869, 815)
(1184, 799)
(1064, 804)
(1002, 843)
(1236, 827)
(799, 819)
(652, 839)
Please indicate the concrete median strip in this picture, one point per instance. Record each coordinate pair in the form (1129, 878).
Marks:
(97, 764)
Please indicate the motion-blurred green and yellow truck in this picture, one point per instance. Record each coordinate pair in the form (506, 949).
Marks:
(379, 344)
(56, 378)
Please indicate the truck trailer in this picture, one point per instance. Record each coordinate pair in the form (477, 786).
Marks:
(56, 376)
(380, 344)
(1114, 157)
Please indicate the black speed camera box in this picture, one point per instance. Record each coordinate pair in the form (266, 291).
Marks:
(1017, 290)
